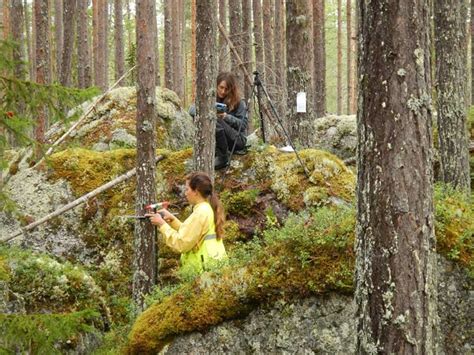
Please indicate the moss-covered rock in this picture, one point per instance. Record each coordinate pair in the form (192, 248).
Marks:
(311, 254)
(112, 123)
(46, 303)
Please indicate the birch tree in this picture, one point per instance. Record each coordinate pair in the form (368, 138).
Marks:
(395, 287)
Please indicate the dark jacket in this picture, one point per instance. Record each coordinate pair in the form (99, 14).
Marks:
(238, 117)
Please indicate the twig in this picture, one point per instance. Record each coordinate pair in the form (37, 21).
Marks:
(76, 202)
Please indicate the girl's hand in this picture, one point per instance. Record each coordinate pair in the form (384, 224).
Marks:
(166, 215)
(156, 219)
(221, 115)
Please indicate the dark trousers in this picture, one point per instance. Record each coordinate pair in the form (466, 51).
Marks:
(225, 138)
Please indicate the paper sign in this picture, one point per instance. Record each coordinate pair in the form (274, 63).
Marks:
(301, 102)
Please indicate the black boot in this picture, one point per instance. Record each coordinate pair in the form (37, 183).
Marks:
(221, 162)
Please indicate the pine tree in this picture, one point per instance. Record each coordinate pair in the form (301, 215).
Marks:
(145, 267)
(395, 287)
(319, 58)
(451, 77)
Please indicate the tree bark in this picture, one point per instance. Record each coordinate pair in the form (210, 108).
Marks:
(395, 264)
(205, 120)
(83, 54)
(258, 35)
(247, 41)
(299, 39)
(16, 25)
(118, 39)
(145, 259)
(58, 35)
(193, 49)
(268, 76)
(235, 34)
(168, 53)
(28, 40)
(42, 60)
(319, 58)
(451, 78)
(100, 43)
(350, 67)
(339, 59)
(6, 19)
(69, 18)
(224, 56)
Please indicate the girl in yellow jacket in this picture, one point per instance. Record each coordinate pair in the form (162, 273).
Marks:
(199, 237)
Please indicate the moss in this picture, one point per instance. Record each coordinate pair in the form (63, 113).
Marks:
(312, 253)
(48, 285)
(87, 169)
(239, 203)
(4, 269)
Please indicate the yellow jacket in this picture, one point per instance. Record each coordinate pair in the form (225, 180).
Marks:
(195, 238)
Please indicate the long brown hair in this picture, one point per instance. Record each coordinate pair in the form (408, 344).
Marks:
(232, 100)
(202, 183)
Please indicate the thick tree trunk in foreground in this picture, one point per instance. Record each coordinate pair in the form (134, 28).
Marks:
(206, 62)
(451, 78)
(299, 51)
(145, 258)
(319, 59)
(395, 265)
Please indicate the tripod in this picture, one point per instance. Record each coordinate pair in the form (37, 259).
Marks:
(257, 89)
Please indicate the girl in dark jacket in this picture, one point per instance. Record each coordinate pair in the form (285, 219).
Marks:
(231, 126)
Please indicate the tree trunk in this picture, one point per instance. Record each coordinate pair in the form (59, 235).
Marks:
(299, 39)
(16, 26)
(235, 34)
(205, 120)
(353, 63)
(168, 52)
(100, 43)
(258, 36)
(224, 56)
(28, 40)
(193, 49)
(42, 58)
(339, 59)
(68, 44)
(247, 41)
(118, 39)
(58, 35)
(145, 259)
(6, 19)
(268, 43)
(319, 58)
(451, 79)
(395, 287)
(175, 43)
(472, 52)
(350, 77)
(157, 51)
(83, 55)
(279, 96)
(182, 57)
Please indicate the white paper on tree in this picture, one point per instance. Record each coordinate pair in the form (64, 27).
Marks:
(301, 102)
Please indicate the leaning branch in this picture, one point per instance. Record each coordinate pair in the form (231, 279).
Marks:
(83, 117)
(75, 203)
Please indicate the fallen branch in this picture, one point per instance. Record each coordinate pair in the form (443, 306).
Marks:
(83, 117)
(75, 203)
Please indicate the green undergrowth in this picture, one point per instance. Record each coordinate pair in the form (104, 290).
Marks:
(46, 304)
(311, 254)
(46, 333)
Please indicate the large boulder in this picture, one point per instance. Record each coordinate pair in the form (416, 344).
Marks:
(111, 124)
(336, 134)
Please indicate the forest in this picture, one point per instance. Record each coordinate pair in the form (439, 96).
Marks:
(248, 176)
